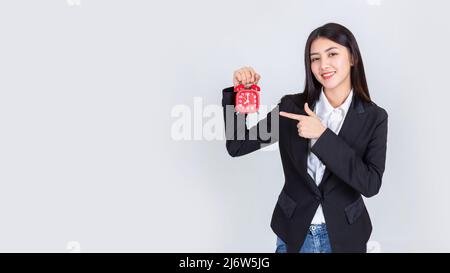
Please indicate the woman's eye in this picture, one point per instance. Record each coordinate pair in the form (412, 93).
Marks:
(332, 54)
(314, 59)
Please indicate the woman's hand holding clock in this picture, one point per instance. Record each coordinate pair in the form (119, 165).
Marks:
(246, 76)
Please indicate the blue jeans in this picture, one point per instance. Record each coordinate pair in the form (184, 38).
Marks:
(316, 241)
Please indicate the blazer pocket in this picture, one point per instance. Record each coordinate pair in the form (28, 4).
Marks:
(287, 204)
(354, 210)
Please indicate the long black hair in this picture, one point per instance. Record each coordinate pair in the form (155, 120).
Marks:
(341, 35)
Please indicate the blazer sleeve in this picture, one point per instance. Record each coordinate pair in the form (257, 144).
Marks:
(364, 174)
(239, 139)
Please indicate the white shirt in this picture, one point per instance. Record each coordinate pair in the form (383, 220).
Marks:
(333, 118)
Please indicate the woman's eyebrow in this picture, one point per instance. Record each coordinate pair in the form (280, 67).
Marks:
(315, 53)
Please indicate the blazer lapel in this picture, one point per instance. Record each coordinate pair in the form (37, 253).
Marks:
(353, 122)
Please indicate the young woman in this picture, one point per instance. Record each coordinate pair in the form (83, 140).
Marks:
(332, 140)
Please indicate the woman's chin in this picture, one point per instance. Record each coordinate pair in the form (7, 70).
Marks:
(329, 85)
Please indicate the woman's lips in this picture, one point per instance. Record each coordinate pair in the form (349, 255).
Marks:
(328, 75)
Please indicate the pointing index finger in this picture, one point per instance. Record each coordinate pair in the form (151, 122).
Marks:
(291, 115)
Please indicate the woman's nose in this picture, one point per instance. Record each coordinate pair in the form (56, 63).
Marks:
(324, 65)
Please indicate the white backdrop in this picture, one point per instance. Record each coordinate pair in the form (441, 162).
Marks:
(90, 91)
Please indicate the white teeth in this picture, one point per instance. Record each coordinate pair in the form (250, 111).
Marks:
(328, 74)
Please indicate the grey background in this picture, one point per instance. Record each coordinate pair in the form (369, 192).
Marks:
(86, 93)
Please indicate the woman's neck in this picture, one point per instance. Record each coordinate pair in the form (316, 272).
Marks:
(337, 96)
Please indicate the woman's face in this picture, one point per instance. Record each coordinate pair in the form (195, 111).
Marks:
(330, 63)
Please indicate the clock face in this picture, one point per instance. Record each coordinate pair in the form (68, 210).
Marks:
(247, 101)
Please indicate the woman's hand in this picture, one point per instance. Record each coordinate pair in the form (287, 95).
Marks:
(308, 126)
(245, 75)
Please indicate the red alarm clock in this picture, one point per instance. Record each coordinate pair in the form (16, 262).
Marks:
(247, 99)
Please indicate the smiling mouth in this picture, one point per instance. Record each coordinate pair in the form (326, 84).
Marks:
(328, 75)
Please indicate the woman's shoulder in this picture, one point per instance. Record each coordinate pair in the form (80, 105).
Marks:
(380, 113)
(293, 100)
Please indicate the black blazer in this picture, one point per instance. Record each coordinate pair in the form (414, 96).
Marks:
(354, 160)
